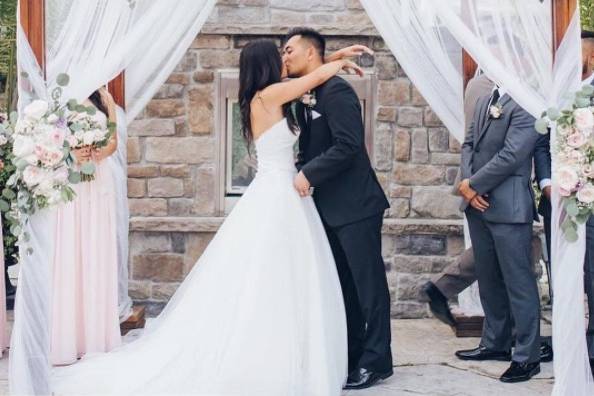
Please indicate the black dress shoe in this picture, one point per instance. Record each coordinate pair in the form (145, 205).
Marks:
(482, 353)
(438, 304)
(519, 372)
(363, 378)
(546, 352)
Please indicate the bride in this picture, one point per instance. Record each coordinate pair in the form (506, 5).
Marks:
(261, 313)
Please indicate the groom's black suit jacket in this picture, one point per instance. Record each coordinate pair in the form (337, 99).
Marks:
(333, 157)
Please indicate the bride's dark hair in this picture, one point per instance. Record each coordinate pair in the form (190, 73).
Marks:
(95, 98)
(260, 65)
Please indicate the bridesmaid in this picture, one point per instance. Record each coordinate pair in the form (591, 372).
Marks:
(85, 269)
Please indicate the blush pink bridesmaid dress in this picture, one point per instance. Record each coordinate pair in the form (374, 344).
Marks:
(85, 272)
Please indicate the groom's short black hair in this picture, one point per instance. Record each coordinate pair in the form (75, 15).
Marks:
(311, 35)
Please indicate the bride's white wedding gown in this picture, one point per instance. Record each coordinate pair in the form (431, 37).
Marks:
(261, 313)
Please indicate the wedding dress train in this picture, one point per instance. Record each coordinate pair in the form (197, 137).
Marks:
(260, 314)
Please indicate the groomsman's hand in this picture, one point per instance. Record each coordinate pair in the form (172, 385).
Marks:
(466, 191)
(547, 192)
(301, 184)
(479, 203)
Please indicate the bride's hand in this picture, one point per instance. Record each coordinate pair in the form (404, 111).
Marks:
(349, 52)
(349, 66)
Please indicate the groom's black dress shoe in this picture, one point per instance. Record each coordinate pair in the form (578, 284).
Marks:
(438, 304)
(519, 372)
(482, 353)
(363, 378)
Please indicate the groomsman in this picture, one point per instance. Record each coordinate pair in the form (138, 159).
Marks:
(496, 186)
(542, 163)
(461, 274)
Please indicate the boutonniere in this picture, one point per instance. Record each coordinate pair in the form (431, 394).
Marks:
(309, 99)
(496, 111)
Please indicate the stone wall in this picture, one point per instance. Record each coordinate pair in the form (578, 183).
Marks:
(173, 168)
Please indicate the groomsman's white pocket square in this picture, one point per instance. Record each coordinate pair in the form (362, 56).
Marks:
(315, 115)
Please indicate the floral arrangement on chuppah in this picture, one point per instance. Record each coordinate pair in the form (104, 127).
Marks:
(574, 149)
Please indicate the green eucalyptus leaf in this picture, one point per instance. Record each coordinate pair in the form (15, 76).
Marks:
(88, 168)
(571, 235)
(91, 110)
(4, 206)
(582, 102)
(588, 89)
(553, 114)
(542, 126)
(74, 177)
(8, 194)
(63, 79)
(571, 208)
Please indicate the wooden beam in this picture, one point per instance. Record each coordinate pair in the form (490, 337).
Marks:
(562, 11)
(469, 67)
(32, 15)
(117, 88)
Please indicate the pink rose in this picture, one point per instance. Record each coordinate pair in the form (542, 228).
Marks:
(563, 192)
(584, 119)
(576, 140)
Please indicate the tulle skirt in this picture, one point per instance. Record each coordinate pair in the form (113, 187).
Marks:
(260, 314)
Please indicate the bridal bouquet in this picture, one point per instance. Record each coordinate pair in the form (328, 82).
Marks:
(42, 137)
(574, 173)
(88, 130)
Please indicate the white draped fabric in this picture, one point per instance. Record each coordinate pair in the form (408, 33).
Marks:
(427, 52)
(91, 41)
(512, 43)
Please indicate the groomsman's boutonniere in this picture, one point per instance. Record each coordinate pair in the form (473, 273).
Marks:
(309, 99)
(496, 111)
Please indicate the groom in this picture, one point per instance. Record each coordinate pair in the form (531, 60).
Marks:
(333, 162)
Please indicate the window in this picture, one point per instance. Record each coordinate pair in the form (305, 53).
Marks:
(236, 167)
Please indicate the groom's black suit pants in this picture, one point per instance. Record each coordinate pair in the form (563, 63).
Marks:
(357, 251)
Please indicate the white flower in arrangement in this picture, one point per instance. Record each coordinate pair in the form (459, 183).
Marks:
(36, 110)
(584, 119)
(23, 146)
(586, 194)
(88, 137)
(33, 175)
(567, 177)
(3, 140)
(588, 171)
(52, 119)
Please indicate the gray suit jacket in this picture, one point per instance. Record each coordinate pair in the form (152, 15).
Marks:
(497, 158)
(476, 88)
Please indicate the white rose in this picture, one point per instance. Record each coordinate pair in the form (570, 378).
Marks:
(36, 109)
(52, 119)
(3, 140)
(586, 194)
(88, 138)
(567, 177)
(61, 175)
(584, 119)
(32, 175)
(23, 146)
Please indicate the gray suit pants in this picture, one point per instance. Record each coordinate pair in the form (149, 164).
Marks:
(507, 286)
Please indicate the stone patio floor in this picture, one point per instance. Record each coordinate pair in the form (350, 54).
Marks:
(425, 365)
